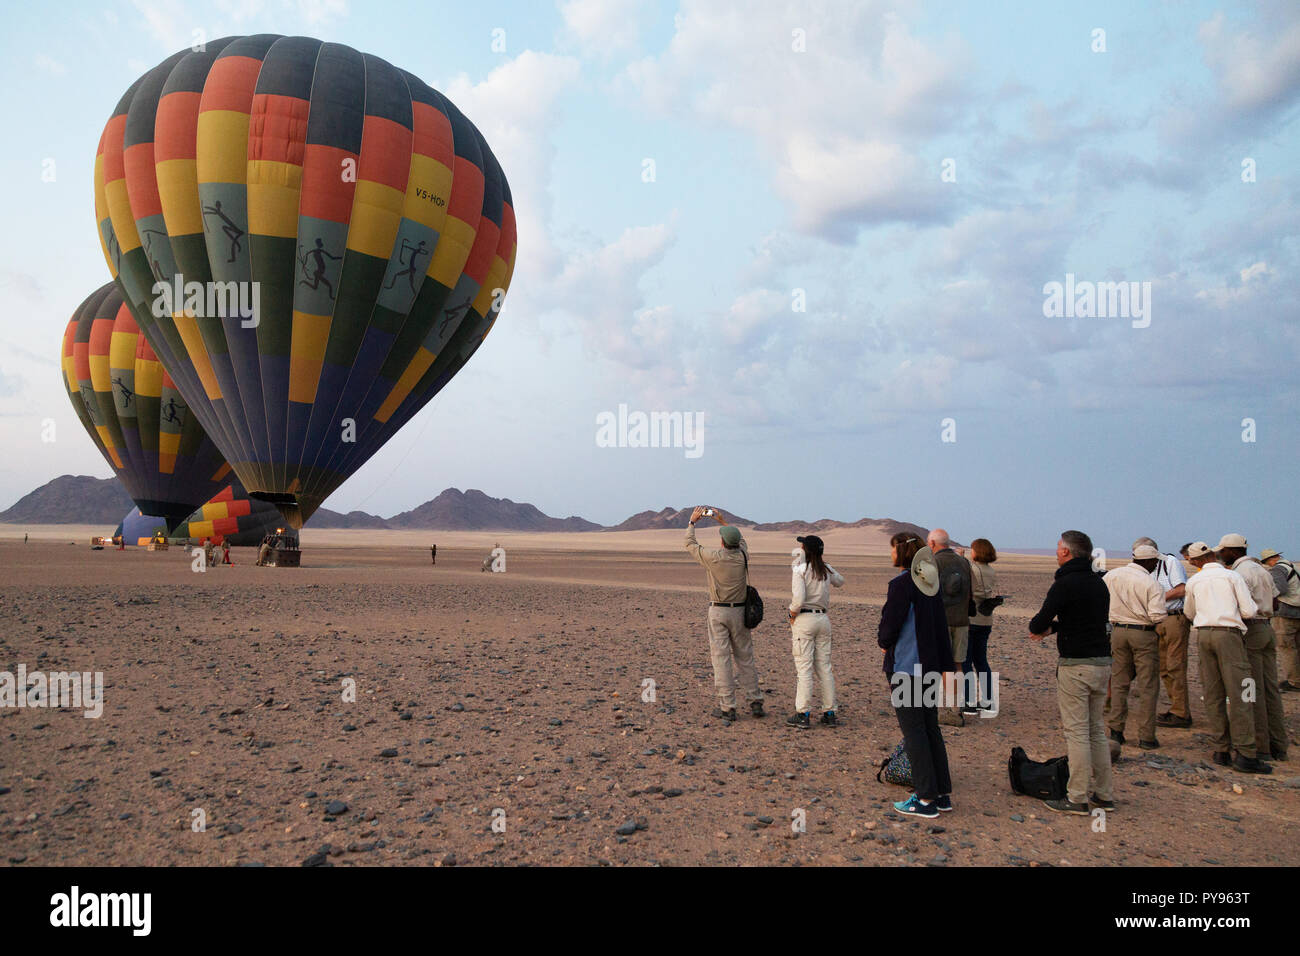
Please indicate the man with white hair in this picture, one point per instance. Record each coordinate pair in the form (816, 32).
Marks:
(955, 589)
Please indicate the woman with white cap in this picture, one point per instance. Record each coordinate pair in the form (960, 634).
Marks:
(810, 631)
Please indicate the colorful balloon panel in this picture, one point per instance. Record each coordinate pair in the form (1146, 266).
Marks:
(134, 413)
(230, 516)
(351, 206)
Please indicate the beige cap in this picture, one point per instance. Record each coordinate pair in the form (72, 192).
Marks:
(1269, 553)
(925, 572)
(1198, 548)
(1231, 541)
(1144, 552)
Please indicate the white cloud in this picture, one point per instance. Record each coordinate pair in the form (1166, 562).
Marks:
(1253, 71)
(49, 64)
(602, 28)
(842, 123)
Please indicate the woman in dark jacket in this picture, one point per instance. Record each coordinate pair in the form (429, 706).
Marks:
(914, 634)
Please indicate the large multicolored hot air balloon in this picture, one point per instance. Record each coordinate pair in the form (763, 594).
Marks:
(314, 242)
(134, 412)
(230, 516)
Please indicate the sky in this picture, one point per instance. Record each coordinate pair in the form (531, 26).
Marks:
(827, 228)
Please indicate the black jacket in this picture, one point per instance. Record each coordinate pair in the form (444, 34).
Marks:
(954, 586)
(1078, 604)
(932, 644)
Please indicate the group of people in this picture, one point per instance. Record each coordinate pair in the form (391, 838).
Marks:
(1119, 634)
(212, 551)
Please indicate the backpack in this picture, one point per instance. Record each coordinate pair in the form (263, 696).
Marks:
(896, 768)
(1292, 593)
(1046, 781)
(753, 603)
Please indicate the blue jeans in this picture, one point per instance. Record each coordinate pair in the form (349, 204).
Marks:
(977, 660)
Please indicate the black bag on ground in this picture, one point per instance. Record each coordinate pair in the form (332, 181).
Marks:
(1046, 780)
(753, 603)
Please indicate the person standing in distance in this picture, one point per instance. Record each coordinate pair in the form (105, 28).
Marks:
(730, 643)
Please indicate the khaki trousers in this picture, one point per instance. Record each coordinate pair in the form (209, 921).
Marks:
(1081, 694)
(1225, 668)
(1134, 654)
(810, 638)
(1261, 651)
(1173, 632)
(730, 642)
(1287, 630)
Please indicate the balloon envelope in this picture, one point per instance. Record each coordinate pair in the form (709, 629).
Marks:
(134, 413)
(230, 516)
(314, 242)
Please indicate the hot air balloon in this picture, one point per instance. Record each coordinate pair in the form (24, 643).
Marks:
(134, 414)
(314, 242)
(230, 516)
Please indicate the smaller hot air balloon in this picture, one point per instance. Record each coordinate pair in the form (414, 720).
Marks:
(230, 516)
(134, 414)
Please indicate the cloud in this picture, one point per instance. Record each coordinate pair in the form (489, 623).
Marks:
(48, 64)
(602, 28)
(1255, 70)
(840, 97)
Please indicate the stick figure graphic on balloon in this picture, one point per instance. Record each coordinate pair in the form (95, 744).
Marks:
(317, 256)
(233, 232)
(449, 316)
(410, 271)
(127, 394)
(173, 412)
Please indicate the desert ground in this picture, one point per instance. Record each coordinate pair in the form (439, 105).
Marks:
(519, 699)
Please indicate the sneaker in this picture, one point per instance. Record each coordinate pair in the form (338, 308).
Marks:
(756, 708)
(1118, 737)
(1148, 745)
(1222, 758)
(951, 718)
(1170, 719)
(1243, 764)
(1097, 803)
(727, 715)
(829, 719)
(798, 720)
(970, 710)
(943, 803)
(1287, 687)
(1065, 806)
(913, 807)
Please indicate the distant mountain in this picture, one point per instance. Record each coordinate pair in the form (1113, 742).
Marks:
(324, 518)
(668, 518)
(72, 499)
(456, 510)
(673, 518)
(887, 525)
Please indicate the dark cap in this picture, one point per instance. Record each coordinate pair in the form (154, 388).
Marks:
(814, 543)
